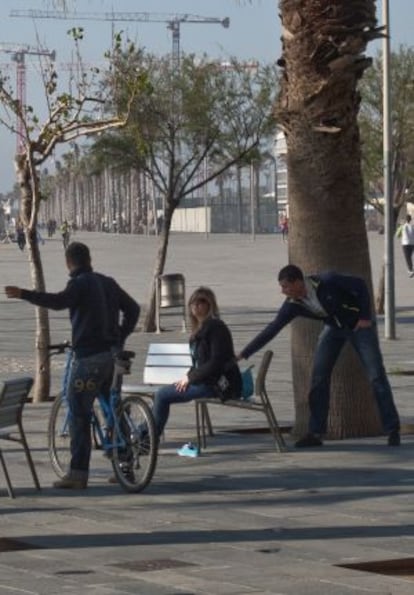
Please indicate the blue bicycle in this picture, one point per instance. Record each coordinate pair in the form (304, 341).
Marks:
(116, 427)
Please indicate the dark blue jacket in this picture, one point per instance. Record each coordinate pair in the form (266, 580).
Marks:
(95, 303)
(345, 299)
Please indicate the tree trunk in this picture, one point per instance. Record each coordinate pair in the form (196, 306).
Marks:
(163, 238)
(256, 188)
(240, 197)
(318, 109)
(29, 206)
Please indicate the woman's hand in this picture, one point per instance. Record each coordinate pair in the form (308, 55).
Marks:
(182, 384)
(363, 324)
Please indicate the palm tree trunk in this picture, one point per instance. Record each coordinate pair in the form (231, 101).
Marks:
(318, 107)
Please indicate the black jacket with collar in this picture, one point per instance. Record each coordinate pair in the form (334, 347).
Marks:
(213, 356)
(344, 298)
(95, 303)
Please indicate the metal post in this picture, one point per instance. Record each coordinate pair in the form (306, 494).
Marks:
(252, 213)
(154, 210)
(205, 197)
(389, 302)
(157, 304)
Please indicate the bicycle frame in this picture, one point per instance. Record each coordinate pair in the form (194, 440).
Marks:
(108, 408)
(117, 426)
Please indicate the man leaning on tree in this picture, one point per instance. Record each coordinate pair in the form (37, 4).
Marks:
(343, 304)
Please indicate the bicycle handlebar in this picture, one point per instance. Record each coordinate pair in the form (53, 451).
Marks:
(60, 347)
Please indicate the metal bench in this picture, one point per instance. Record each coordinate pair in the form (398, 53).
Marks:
(167, 363)
(258, 402)
(13, 396)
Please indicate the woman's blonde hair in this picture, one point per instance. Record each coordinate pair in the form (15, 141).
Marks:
(207, 295)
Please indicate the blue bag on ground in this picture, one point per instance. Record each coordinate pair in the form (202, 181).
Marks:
(247, 383)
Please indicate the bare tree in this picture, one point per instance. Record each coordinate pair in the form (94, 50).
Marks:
(200, 111)
(71, 114)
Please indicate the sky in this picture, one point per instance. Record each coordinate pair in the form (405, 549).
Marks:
(253, 34)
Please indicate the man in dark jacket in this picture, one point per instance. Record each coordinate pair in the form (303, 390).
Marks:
(342, 302)
(95, 303)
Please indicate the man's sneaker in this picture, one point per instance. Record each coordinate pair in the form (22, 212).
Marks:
(308, 441)
(394, 438)
(188, 450)
(71, 483)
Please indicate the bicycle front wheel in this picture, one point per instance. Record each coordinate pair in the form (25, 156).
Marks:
(58, 437)
(135, 444)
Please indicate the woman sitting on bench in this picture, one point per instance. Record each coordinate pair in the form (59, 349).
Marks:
(214, 371)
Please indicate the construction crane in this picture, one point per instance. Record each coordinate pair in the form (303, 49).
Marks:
(173, 21)
(19, 52)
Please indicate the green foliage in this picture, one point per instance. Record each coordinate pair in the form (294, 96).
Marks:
(182, 116)
(76, 33)
(402, 114)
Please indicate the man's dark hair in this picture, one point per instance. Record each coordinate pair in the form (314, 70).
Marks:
(290, 273)
(79, 254)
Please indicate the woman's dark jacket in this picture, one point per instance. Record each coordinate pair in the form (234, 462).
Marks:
(213, 356)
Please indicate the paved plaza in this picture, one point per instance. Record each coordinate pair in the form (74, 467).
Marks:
(241, 518)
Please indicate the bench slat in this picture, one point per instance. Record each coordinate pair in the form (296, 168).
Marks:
(164, 375)
(168, 361)
(167, 348)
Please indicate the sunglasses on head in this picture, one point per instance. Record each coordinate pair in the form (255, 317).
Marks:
(200, 300)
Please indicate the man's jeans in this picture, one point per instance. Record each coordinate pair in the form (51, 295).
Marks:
(365, 342)
(89, 376)
(167, 395)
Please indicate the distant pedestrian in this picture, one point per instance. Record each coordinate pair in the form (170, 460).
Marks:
(285, 228)
(406, 234)
(20, 235)
(65, 231)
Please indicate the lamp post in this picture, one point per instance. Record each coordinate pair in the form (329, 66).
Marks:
(252, 209)
(389, 302)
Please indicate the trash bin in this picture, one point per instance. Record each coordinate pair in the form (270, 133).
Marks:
(171, 294)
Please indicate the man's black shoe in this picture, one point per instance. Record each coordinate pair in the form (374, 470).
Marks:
(394, 438)
(309, 440)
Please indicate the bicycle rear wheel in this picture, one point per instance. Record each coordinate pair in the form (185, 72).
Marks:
(58, 437)
(135, 445)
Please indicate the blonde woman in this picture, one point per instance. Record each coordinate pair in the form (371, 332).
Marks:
(213, 356)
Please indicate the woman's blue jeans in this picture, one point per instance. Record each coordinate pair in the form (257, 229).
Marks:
(88, 377)
(167, 395)
(366, 344)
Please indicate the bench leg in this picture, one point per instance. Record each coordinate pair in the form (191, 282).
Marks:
(198, 425)
(274, 428)
(7, 476)
(29, 457)
(207, 420)
(203, 422)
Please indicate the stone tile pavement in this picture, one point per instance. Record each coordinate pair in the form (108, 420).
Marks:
(239, 519)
